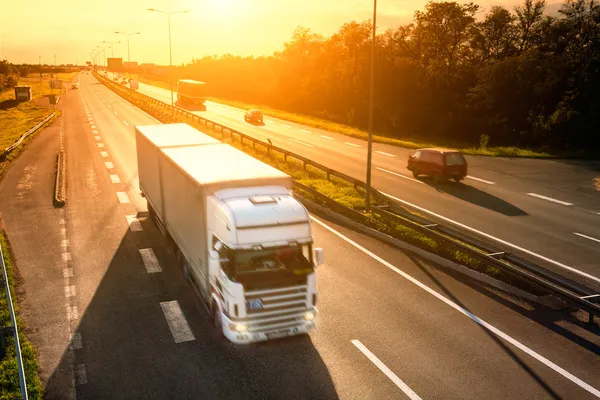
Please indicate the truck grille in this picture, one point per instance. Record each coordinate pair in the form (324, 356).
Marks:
(282, 308)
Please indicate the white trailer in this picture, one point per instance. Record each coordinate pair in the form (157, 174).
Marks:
(242, 239)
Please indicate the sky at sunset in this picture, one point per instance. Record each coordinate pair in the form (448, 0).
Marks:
(71, 29)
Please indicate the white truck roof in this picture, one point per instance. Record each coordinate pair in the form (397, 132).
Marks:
(220, 166)
(174, 135)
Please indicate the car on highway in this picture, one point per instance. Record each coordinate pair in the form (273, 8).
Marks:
(124, 81)
(253, 116)
(441, 164)
(75, 86)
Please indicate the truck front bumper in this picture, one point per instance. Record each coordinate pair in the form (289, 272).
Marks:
(245, 336)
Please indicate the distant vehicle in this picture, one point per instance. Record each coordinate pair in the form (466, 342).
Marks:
(253, 116)
(134, 84)
(241, 238)
(124, 81)
(116, 79)
(75, 86)
(441, 164)
(191, 92)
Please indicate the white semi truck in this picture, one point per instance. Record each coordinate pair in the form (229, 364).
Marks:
(242, 239)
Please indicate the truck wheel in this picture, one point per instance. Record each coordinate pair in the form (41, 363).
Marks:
(415, 173)
(438, 178)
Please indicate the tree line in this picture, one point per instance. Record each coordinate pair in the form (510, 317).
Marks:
(521, 77)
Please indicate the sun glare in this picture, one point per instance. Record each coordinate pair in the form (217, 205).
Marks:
(226, 8)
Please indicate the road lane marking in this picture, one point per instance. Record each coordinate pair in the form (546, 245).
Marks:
(116, 113)
(62, 222)
(91, 122)
(150, 261)
(388, 372)
(125, 122)
(467, 313)
(80, 374)
(104, 100)
(72, 313)
(298, 141)
(100, 145)
(115, 178)
(177, 323)
(95, 131)
(93, 126)
(69, 291)
(514, 246)
(123, 198)
(109, 164)
(304, 131)
(66, 256)
(97, 137)
(109, 106)
(480, 180)
(327, 137)
(285, 126)
(134, 223)
(399, 175)
(68, 272)
(90, 118)
(104, 154)
(76, 342)
(385, 154)
(64, 243)
(539, 196)
(587, 237)
(351, 144)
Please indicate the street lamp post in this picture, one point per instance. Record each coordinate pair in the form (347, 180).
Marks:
(371, 90)
(128, 55)
(169, 13)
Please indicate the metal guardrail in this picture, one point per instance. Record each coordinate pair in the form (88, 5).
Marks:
(16, 144)
(573, 293)
(13, 330)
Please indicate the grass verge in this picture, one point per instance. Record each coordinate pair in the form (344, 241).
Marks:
(350, 198)
(500, 151)
(9, 378)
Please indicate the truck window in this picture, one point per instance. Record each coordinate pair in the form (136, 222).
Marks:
(278, 259)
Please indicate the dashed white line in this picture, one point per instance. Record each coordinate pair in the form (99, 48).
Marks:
(76, 342)
(66, 256)
(467, 313)
(95, 131)
(385, 154)
(104, 154)
(125, 122)
(115, 178)
(64, 243)
(177, 323)
(72, 313)
(304, 131)
(123, 198)
(150, 261)
(93, 126)
(587, 237)
(134, 223)
(514, 246)
(91, 122)
(539, 196)
(97, 137)
(68, 272)
(327, 137)
(90, 118)
(109, 164)
(80, 374)
(69, 291)
(383, 368)
(480, 180)
(100, 145)
(399, 175)
(298, 141)
(62, 221)
(285, 126)
(351, 144)
(116, 113)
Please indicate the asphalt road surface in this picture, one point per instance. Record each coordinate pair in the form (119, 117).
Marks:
(544, 210)
(391, 326)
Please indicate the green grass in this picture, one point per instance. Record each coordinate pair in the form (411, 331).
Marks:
(347, 130)
(351, 198)
(9, 378)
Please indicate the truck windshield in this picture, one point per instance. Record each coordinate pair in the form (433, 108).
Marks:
(289, 259)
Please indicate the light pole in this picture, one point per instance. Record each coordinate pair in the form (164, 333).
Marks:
(371, 90)
(128, 55)
(103, 48)
(54, 75)
(169, 13)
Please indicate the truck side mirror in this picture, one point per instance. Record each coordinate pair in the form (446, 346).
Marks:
(318, 256)
(213, 263)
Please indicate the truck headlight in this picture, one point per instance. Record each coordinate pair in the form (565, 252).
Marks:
(309, 315)
(238, 327)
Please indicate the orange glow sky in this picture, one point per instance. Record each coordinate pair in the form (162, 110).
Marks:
(72, 28)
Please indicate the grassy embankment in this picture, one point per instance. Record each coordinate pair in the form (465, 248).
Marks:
(336, 189)
(360, 134)
(15, 120)
(9, 378)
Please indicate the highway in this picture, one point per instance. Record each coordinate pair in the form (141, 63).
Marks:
(544, 210)
(391, 326)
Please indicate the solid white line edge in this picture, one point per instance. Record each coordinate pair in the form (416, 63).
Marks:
(470, 315)
(587, 237)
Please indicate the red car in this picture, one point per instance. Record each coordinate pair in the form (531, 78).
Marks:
(441, 164)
